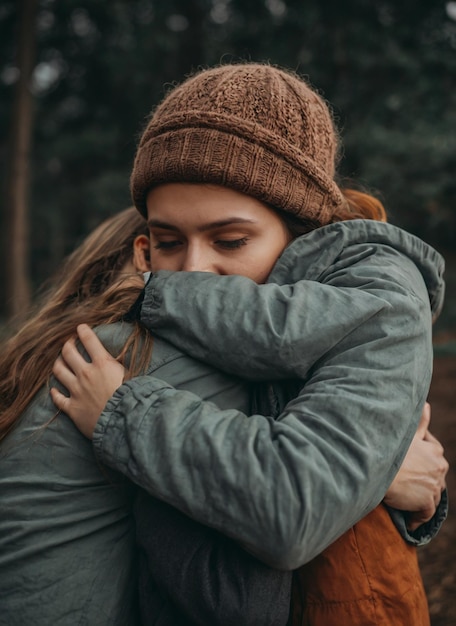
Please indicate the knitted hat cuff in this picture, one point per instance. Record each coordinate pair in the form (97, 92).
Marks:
(173, 152)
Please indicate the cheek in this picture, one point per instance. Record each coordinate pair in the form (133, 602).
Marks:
(266, 259)
(159, 262)
(260, 272)
(256, 265)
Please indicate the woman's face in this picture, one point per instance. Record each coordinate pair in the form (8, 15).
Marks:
(207, 228)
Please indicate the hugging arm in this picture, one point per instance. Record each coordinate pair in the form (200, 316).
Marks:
(281, 330)
(287, 488)
(322, 288)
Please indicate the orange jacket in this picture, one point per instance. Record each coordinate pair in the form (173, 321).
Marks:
(368, 577)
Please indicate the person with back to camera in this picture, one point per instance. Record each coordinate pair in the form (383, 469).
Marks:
(235, 172)
(67, 541)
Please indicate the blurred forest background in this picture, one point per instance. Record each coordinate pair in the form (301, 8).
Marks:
(78, 79)
(93, 69)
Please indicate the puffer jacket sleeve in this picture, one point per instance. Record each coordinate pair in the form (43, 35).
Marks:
(281, 329)
(287, 488)
(259, 332)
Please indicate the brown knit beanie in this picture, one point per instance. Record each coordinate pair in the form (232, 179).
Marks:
(251, 127)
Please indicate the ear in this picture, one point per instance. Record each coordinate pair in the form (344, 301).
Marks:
(141, 253)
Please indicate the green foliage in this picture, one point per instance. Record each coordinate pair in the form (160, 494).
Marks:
(389, 69)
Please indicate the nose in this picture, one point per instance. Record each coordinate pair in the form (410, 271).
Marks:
(197, 258)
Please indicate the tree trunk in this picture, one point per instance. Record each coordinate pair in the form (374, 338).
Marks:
(17, 215)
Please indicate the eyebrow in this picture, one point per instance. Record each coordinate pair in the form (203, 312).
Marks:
(230, 221)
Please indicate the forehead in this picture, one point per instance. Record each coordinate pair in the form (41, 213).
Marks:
(191, 204)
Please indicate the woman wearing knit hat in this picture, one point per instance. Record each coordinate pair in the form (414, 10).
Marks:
(233, 166)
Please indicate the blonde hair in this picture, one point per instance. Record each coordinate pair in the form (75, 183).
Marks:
(90, 288)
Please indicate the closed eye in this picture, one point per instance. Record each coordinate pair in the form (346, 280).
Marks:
(167, 245)
(232, 244)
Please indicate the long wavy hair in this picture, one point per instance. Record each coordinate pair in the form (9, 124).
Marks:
(89, 287)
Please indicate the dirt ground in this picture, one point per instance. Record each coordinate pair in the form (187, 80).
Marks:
(438, 559)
